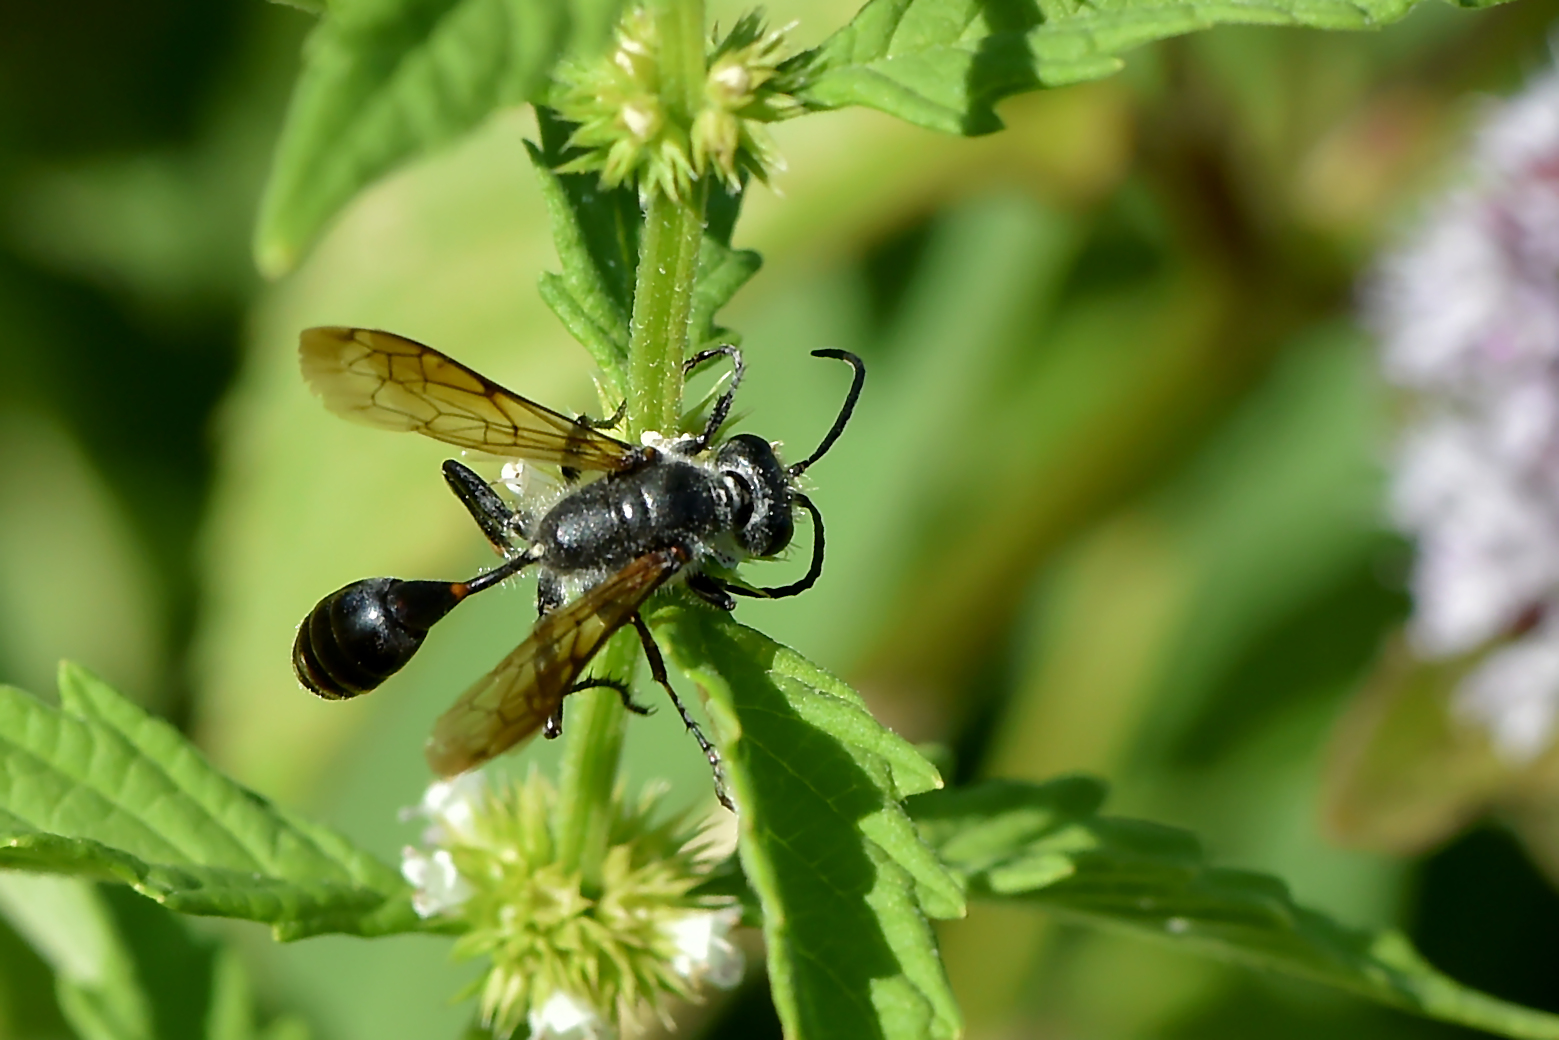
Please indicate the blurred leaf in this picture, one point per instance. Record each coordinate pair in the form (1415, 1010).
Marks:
(68, 923)
(385, 82)
(943, 64)
(127, 969)
(844, 881)
(63, 532)
(102, 789)
(1404, 773)
(1046, 844)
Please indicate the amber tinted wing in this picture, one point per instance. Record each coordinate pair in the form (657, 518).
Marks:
(510, 703)
(395, 383)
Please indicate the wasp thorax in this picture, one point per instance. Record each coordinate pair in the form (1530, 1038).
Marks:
(360, 635)
(761, 488)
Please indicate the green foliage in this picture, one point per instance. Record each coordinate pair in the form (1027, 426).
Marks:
(1046, 844)
(126, 969)
(98, 788)
(844, 881)
(596, 232)
(386, 80)
(943, 64)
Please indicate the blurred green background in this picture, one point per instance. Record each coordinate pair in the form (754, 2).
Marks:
(1112, 500)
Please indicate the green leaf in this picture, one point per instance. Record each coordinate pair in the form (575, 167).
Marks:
(127, 969)
(844, 881)
(68, 923)
(100, 789)
(385, 81)
(596, 231)
(311, 6)
(721, 271)
(1046, 844)
(943, 64)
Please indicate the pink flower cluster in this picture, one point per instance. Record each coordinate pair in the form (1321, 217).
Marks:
(1467, 313)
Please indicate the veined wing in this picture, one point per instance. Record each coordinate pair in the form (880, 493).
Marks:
(511, 702)
(395, 383)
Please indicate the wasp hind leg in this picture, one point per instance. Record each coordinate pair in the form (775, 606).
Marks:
(658, 673)
(498, 522)
(607, 683)
(552, 729)
(611, 422)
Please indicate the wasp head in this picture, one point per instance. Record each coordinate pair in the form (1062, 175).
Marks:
(764, 525)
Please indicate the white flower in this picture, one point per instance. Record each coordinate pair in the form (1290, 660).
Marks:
(1468, 317)
(564, 1017)
(1512, 693)
(440, 888)
(705, 953)
(450, 807)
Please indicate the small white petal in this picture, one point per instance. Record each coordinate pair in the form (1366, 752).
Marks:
(734, 77)
(450, 807)
(640, 121)
(439, 886)
(564, 1017)
(705, 953)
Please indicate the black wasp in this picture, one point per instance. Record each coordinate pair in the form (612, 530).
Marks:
(679, 507)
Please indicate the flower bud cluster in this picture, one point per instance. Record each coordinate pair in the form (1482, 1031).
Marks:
(573, 959)
(1468, 316)
(629, 131)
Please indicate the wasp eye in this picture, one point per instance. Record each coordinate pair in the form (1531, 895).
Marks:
(743, 499)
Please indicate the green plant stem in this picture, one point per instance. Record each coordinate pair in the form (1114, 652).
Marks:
(662, 303)
(592, 751)
(657, 345)
(679, 26)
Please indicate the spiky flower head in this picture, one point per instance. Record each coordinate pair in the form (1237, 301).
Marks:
(629, 132)
(741, 93)
(570, 956)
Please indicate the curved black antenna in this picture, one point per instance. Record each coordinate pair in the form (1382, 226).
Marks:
(844, 413)
(814, 572)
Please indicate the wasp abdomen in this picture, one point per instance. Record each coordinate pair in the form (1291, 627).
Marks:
(360, 635)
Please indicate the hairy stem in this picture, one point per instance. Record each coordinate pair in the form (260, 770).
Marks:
(657, 345)
(662, 303)
(592, 748)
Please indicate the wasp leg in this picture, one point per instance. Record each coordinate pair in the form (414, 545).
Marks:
(594, 683)
(498, 522)
(609, 423)
(814, 571)
(658, 673)
(552, 729)
(722, 407)
(712, 591)
(549, 593)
